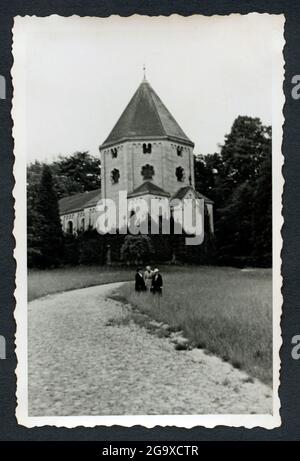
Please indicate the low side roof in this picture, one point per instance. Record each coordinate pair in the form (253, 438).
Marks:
(184, 190)
(148, 187)
(78, 202)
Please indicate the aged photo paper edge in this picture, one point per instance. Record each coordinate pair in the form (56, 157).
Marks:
(20, 226)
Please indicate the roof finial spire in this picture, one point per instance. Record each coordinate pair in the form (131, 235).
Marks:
(144, 72)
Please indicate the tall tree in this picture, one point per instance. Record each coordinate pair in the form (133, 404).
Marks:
(262, 212)
(48, 232)
(34, 172)
(208, 170)
(71, 175)
(243, 215)
(78, 173)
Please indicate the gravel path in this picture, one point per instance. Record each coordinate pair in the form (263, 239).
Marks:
(78, 365)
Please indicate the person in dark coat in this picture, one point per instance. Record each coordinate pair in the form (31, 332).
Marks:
(157, 282)
(139, 281)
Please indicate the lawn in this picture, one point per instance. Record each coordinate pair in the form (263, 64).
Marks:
(44, 282)
(226, 311)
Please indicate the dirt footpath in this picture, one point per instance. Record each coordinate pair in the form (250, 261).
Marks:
(79, 365)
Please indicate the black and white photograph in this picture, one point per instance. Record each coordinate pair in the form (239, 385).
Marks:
(148, 183)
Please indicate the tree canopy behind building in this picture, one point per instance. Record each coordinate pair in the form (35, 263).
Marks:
(71, 175)
(239, 180)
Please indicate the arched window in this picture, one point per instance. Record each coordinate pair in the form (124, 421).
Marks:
(82, 224)
(179, 151)
(70, 227)
(114, 152)
(147, 148)
(115, 176)
(147, 171)
(179, 174)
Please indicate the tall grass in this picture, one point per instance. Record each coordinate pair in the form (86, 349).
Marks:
(226, 311)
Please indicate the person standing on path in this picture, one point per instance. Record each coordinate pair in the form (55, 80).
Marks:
(139, 281)
(157, 282)
(148, 274)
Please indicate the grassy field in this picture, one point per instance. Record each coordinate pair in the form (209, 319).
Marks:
(223, 310)
(44, 282)
(41, 283)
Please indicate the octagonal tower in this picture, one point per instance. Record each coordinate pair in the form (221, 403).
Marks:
(146, 146)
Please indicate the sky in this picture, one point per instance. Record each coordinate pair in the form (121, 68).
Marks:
(78, 75)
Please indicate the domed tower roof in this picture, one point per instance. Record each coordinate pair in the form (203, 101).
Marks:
(146, 117)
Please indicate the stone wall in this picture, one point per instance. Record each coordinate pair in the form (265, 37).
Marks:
(128, 158)
(81, 220)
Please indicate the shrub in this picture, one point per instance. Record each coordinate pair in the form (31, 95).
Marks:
(162, 247)
(71, 249)
(91, 247)
(136, 249)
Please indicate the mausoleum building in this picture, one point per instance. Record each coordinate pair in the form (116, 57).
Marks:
(146, 154)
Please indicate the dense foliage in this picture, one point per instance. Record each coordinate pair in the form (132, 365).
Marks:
(45, 237)
(65, 176)
(71, 175)
(137, 249)
(239, 180)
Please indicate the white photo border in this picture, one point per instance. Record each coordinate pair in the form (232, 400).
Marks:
(20, 255)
